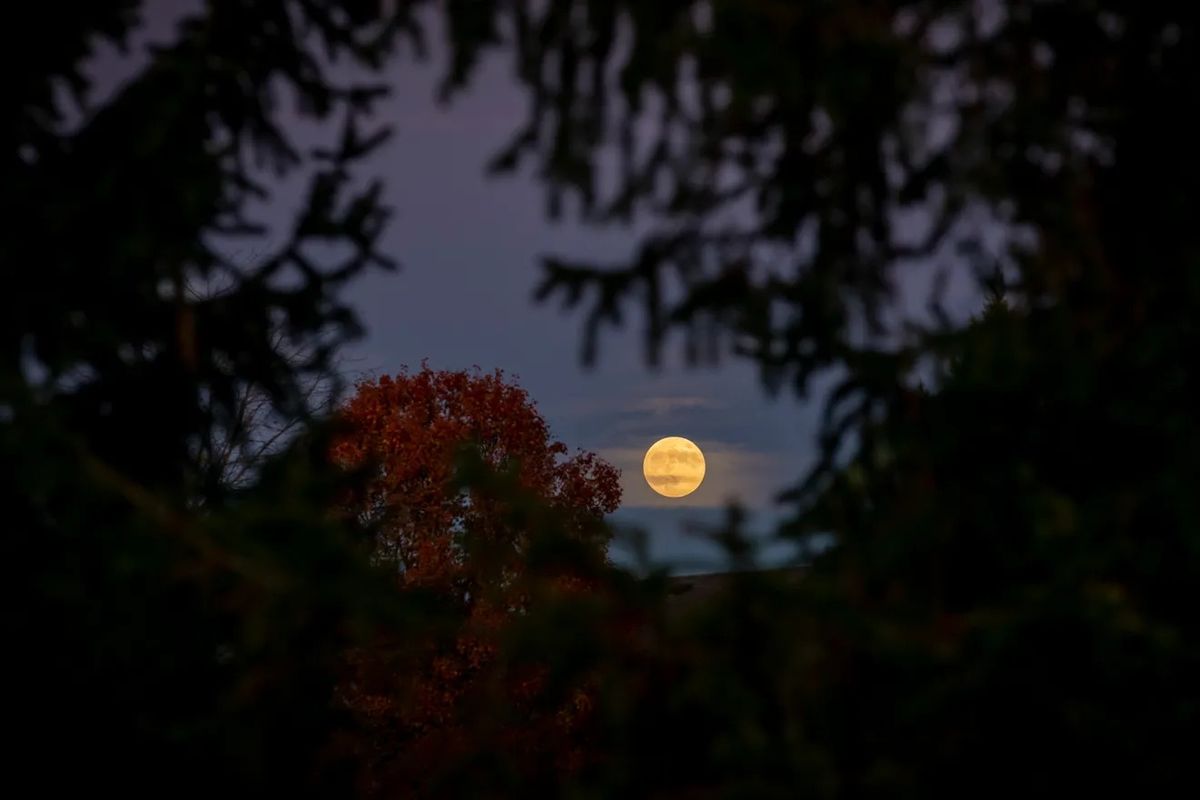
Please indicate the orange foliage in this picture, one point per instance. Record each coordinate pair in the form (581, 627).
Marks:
(407, 429)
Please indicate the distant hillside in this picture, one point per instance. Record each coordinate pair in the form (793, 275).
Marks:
(688, 591)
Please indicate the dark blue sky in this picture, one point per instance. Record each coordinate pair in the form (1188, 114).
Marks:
(470, 250)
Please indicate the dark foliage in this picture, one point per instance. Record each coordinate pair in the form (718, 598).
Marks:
(166, 632)
(1007, 603)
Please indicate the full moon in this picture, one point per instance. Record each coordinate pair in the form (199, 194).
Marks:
(673, 466)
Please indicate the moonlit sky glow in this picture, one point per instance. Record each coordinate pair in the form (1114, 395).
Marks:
(469, 247)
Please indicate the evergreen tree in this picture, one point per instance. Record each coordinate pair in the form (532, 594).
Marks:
(170, 633)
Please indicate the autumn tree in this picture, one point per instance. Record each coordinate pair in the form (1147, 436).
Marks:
(434, 532)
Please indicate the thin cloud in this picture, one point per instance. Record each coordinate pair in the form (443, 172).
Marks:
(660, 406)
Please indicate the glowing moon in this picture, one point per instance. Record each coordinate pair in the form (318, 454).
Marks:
(673, 466)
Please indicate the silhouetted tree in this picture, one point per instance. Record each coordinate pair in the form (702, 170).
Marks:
(167, 632)
(1007, 601)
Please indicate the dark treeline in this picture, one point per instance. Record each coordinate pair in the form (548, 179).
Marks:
(1012, 499)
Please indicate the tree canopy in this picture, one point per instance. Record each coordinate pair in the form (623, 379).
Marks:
(410, 427)
(1006, 602)
(463, 543)
(176, 635)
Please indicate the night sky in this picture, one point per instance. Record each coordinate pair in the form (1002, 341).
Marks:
(469, 247)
